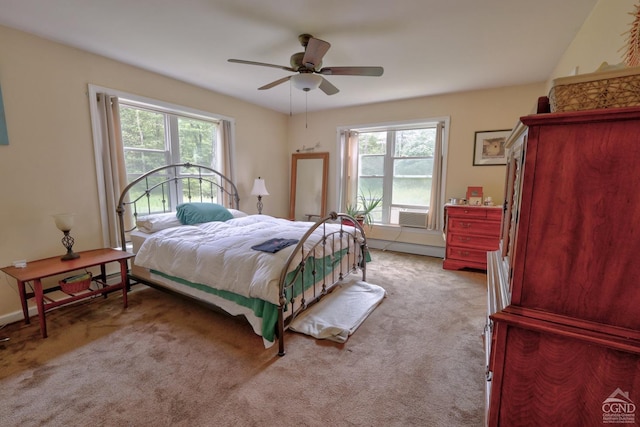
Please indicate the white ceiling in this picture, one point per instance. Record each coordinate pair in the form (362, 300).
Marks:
(426, 47)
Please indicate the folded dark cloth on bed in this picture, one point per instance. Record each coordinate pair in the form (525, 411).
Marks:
(274, 245)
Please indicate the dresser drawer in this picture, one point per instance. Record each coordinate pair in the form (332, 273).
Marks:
(494, 214)
(467, 254)
(473, 226)
(488, 242)
(466, 212)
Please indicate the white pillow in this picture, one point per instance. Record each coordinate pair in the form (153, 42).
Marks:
(237, 214)
(157, 222)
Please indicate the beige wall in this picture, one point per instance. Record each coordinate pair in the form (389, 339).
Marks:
(601, 39)
(48, 166)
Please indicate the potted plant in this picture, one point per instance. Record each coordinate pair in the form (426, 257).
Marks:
(362, 210)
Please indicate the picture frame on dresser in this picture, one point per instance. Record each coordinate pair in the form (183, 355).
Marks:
(489, 147)
(474, 196)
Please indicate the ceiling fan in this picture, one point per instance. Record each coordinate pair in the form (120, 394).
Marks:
(308, 65)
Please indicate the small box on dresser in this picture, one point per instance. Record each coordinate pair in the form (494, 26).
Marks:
(470, 231)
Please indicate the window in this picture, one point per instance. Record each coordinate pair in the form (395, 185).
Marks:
(154, 134)
(396, 163)
(154, 138)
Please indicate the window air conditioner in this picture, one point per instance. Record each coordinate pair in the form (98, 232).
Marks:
(413, 219)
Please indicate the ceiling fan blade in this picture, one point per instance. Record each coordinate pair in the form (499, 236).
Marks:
(328, 88)
(262, 64)
(276, 83)
(352, 71)
(314, 52)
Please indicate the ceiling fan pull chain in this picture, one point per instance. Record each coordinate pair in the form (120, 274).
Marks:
(306, 109)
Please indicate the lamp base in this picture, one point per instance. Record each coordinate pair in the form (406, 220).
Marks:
(259, 205)
(69, 256)
(67, 242)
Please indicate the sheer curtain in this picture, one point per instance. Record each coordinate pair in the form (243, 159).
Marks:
(226, 153)
(113, 167)
(349, 182)
(435, 204)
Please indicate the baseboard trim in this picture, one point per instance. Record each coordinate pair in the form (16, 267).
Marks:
(17, 316)
(410, 248)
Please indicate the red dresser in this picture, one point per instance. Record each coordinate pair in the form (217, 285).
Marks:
(470, 232)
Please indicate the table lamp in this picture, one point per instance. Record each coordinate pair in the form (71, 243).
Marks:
(64, 222)
(259, 189)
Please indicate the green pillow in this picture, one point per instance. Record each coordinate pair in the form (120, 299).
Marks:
(196, 213)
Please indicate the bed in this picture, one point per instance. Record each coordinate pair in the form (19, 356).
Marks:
(184, 224)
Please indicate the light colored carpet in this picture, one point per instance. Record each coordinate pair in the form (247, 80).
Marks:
(416, 361)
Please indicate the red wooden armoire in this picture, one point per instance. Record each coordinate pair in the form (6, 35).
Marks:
(563, 331)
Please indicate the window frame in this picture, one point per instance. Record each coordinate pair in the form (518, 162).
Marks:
(151, 104)
(347, 181)
(388, 173)
(171, 150)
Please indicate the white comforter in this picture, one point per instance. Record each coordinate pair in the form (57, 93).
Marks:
(219, 254)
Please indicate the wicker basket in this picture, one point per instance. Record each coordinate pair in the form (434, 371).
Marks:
(606, 89)
(75, 284)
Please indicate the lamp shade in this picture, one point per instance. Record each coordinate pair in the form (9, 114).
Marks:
(306, 81)
(259, 188)
(64, 221)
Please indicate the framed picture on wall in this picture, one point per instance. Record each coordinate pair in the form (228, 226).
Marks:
(488, 147)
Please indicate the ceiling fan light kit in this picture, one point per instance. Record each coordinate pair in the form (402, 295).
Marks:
(307, 66)
(306, 81)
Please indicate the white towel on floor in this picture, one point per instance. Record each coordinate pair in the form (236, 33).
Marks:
(340, 313)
